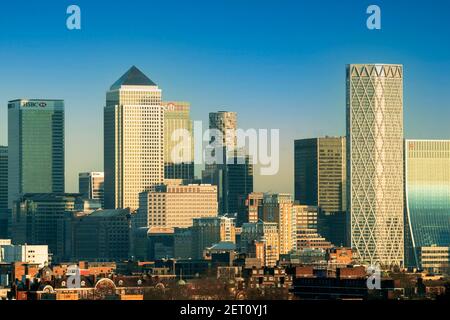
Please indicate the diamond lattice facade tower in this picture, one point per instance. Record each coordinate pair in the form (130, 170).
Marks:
(133, 139)
(375, 162)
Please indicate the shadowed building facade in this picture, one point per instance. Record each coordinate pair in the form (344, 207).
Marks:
(35, 147)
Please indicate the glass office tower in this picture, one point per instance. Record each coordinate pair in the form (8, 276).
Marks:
(375, 162)
(36, 147)
(427, 195)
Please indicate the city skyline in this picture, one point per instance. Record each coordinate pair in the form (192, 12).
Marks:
(300, 69)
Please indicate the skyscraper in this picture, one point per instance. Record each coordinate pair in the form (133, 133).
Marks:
(91, 186)
(375, 162)
(427, 195)
(178, 151)
(233, 178)
(225, 122)
(320, 173)
(133, 139)
(3, 192)
(278, 208)
(233, 171)
(35, 147)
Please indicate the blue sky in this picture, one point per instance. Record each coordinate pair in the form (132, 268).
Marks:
(279, 64)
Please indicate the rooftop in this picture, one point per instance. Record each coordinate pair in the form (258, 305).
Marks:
(133, 77)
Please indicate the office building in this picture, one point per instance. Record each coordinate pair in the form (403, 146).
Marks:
(35, 147)
(434, 259)
(133, 139)
(333, 227)
(176, 205)
(278, 208)
(375, 162)
(35, 254)
(35, 218)
(320, 173)
(250, 208)
(427, 195)
(3, 192)
(103, 235)
(178, 141)
(306, 228)
(91, 186)
(233, 178)
(260, 240)
(209, 231)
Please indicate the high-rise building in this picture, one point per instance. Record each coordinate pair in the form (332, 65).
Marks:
(3, 192)
(233, 178)
(178, 141)
(225, 124)
(261, 240)
(320, 173)
(375, 162)
(133, 139)
(35, 147)
(176, 205)
(427, 195)
(35, 219)
(250, 208)
(232, 172)
(91, 186)
(278, 208)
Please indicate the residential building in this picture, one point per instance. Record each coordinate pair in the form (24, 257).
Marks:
(375, 162)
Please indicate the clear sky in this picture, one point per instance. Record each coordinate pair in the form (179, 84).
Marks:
(279, 64)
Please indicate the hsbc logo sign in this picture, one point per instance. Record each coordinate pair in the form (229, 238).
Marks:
(34, 104)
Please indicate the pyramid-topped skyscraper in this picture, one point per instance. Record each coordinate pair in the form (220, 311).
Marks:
(133, 139)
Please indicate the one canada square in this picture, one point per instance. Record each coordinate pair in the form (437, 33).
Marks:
(133, 139)
(375, 162)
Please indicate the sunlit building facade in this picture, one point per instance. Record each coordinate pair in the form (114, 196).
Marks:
(133, 139)
(375, 162)
(427, 195)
